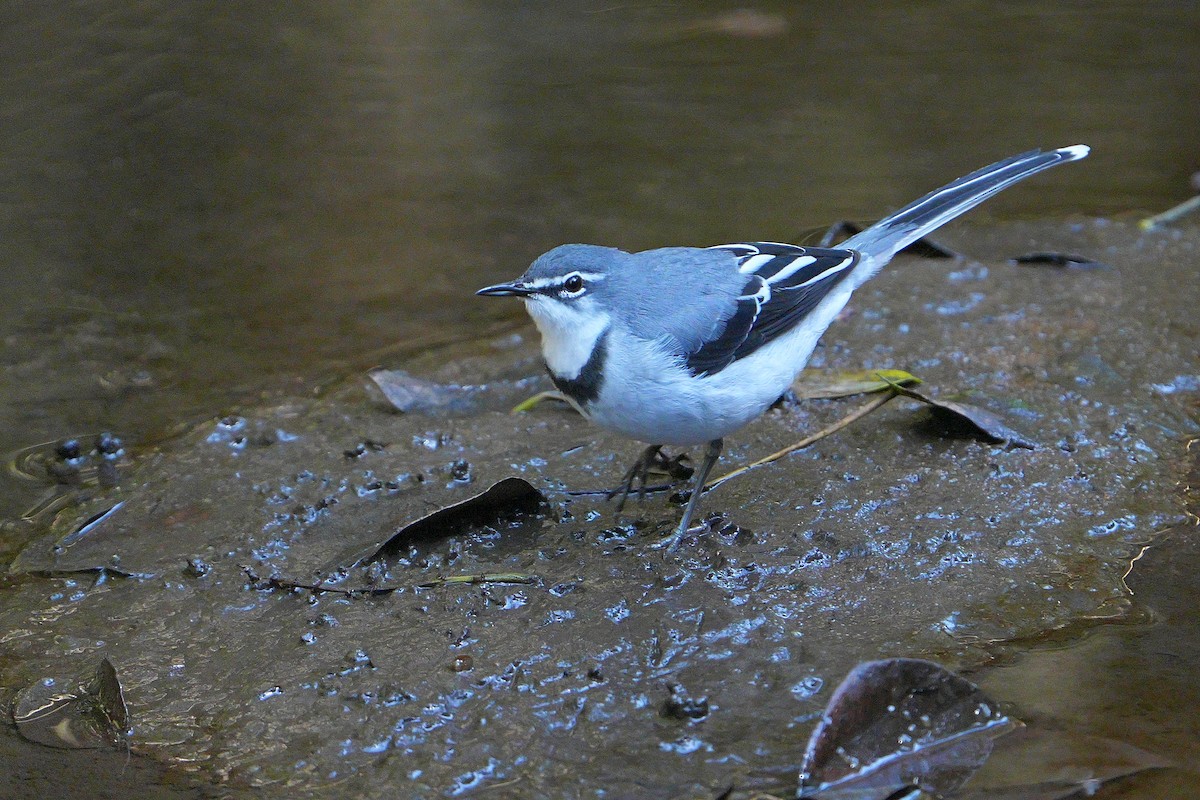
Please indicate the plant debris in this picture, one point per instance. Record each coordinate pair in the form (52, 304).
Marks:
(900, 724)
(537, 399)
(503, 499)
(89, 525)
(1040, 764)
(972, 419)
(814, 384)
(1051, 259)
(511, 578)
(276, 582)
(853, 416)
(1173, 214)
(411, 395)
(87, 716)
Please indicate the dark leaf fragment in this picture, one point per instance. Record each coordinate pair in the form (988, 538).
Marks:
(285, 584)
(73, 546)
(898, 725)
(89, 525)
(503, 499)
(971, 419)
(82, 717)
(1038, 764)
(411, 395)
(1059, 260)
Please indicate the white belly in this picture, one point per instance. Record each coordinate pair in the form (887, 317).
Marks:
(659, 406)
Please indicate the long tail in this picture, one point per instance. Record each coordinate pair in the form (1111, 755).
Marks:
(885, 238)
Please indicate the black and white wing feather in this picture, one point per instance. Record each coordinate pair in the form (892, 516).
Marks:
(784, 283)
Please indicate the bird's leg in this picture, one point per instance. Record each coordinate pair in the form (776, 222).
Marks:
(640, 472)
(711, 454)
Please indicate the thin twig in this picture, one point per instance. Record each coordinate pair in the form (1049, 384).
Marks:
(285, 584)
(1171, 214)
(484, 577)
(805, 442)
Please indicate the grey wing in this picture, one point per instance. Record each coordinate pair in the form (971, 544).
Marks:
(784, 283)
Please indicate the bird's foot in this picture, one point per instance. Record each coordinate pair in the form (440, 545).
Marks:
(670, 543)
(651, 458)
(673, 467)
(711, 454)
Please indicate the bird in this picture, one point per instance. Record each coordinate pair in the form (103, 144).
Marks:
(682, 346)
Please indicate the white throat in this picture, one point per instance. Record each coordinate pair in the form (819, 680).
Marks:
(569, 333)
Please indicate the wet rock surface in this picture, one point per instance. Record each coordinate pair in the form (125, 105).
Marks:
(895, 537)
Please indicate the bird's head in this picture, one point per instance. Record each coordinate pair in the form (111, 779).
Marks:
(568, 291)
(565, 289)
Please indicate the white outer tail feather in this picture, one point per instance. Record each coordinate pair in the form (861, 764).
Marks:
(894, 232)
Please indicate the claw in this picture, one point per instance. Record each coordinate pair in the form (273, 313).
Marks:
(675, 468)
(639, 472)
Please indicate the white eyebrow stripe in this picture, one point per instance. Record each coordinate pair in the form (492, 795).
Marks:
(557, 280)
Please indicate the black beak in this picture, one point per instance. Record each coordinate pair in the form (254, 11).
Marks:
(516, 289)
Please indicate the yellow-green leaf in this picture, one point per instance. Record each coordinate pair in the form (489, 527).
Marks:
(526, 405)
(823, 383)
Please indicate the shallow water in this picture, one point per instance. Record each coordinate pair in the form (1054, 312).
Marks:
(205, 207)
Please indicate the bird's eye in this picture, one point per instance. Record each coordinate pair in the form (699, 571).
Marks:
(573, 284)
